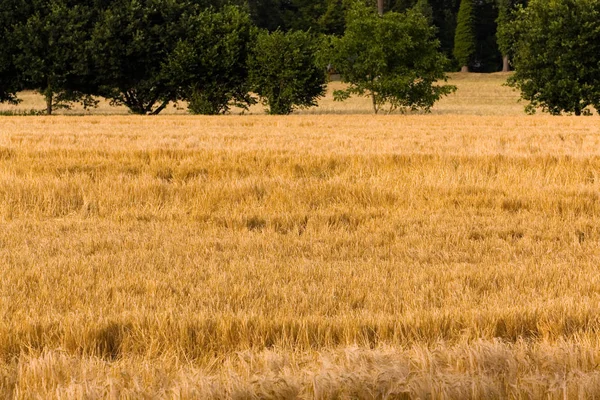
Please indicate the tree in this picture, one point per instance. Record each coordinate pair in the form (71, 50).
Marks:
(52, 56)
(443, 17)
(465, 39)
(557, 55)
(332, 21)
(424, 8)
(210, 63)
(9, 78)
(133, 42)
(505, 34)
(284, 71)
(394, 59)
(9, 84)
(327, 16)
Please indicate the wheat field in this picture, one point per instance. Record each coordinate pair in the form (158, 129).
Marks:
(314, 256)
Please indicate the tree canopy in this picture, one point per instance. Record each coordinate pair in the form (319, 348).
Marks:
(464, 40)
(53, 56)
(505, 38)
(209, 54)
(12, 12)
(393, 59)
(209, 65)
(557, 55)
(133, 42)
(284, 71)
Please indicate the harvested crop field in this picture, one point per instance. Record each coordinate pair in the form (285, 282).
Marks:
(452, 255)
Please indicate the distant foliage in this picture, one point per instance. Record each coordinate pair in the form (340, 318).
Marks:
(146, 54)
(210, 62)
(557, 55)
(284, 71)
(393, 59)
(9, 81)
(465, 39)
(133, 42)
(52, 53)
(333, 20)
(318, 16)
(504, 35)
(424, 8)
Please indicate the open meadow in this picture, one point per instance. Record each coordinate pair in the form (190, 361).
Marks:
(315, 256)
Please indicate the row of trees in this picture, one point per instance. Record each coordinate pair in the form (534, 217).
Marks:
(479, 39)
(141, 54)
(145, 54)
(481, 22)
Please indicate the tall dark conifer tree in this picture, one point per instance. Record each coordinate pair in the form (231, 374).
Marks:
(465, 38)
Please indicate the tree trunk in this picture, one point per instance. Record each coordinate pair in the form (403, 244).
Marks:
(505, 64)
(380, 7)
(49, 97)
(465, 68)
(159, 109)
(374, 103)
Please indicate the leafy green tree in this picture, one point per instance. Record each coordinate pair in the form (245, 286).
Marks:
(52, 55)
(443, 17)
(424, 8)
(465, 39)
(505, 35)
(393, 59)
(133, 42)
(557, 55)
(333, 20)
(210, 63)
(327, 16)
(284, 71)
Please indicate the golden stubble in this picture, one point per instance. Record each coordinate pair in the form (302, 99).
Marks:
(309, 256)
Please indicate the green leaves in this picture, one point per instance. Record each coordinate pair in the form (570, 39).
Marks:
(133, 41)
(53, 55)
(465, 38)
(557, 55)
(284, 71)
(210, 62)
(394, 59)
(153, 52)
(9, 81)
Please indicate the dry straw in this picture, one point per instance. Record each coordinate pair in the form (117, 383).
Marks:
(314, 256)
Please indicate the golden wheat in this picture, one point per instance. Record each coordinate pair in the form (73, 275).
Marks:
(310, 256)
